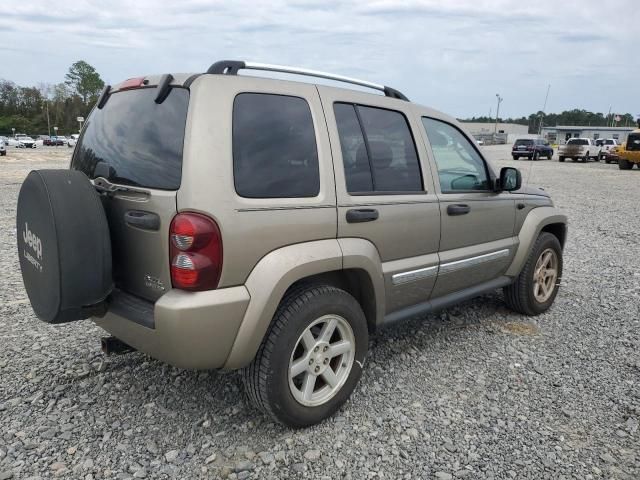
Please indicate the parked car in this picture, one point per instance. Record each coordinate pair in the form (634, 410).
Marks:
(533, 149)
(606, 145)
(4, 141)
(578, 149)
(327, 214)
(628, 153)
(24, 141)
(71, 141)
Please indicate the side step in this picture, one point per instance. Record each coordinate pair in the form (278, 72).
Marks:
(114, 346)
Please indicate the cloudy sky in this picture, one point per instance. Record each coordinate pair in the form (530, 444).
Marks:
(454, 55)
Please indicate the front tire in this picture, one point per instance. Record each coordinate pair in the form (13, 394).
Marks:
(624, 164)
(311, 357)
(535, 289)
(561, 159)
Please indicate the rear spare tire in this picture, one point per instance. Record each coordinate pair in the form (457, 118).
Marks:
(63, 246)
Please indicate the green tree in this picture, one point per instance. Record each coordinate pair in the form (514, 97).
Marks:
(84, 81)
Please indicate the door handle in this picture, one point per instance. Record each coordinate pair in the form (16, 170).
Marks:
(141, 219)
(360, 215)
(458, 209)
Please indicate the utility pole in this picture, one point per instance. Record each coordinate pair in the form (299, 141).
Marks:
(544, 108)
(48, 123)
(499, 99)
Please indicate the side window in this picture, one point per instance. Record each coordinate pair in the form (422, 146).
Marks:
(460, 167)
(274, 147)
(378, 151)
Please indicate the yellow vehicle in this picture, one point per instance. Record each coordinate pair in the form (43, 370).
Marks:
(628, 153)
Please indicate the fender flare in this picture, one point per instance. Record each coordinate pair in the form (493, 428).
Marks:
(536, 220)
(276, 272)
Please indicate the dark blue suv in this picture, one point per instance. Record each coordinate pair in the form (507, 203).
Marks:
(531, 148)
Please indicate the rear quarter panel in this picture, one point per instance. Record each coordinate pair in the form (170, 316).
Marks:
(251, 228)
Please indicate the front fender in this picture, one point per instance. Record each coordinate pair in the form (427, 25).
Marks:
(536, 220)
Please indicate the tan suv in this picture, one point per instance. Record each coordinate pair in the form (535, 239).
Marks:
(225, 221)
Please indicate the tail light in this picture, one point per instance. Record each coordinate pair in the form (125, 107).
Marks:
(195, 252)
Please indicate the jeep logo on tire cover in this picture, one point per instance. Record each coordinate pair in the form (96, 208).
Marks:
(33, 241)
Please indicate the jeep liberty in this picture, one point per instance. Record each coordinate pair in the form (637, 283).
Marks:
(226, 221)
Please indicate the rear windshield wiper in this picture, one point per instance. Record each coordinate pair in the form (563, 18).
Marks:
(103, 185)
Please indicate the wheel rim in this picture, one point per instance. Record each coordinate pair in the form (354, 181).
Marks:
(545, 275)
(321, 360)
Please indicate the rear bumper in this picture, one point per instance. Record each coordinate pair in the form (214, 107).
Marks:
(193, 330)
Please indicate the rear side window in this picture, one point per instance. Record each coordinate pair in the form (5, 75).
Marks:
(378, 151)
(274, 147)
(134, 141)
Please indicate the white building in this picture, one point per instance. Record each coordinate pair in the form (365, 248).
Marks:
(560, 134)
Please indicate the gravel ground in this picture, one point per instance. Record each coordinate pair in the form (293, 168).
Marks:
(475, 392)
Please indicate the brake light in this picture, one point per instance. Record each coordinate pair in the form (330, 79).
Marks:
(132, 83)
(195, 251)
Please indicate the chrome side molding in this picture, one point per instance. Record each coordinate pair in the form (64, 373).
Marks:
(414, 275)
(470, 262)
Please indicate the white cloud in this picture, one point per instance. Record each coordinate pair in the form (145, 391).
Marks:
(452, 55)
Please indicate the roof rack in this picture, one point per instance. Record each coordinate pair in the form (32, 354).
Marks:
(231, 67)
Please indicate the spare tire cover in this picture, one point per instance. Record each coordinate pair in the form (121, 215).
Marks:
(63, 245)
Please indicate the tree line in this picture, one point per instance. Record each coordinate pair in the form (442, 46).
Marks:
(37, 110)
(568, 117)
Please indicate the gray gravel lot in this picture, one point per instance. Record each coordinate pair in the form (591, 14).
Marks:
(475, 392)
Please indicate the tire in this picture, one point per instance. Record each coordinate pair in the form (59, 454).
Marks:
(520, 295)
(550, 156)
(607, 161)
(535, 156)
(624, 164)
(515, 157)
(64, 245)
(561, 159)
(267, 379)
(586, 158)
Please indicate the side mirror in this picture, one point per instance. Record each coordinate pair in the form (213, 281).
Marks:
(510, 179)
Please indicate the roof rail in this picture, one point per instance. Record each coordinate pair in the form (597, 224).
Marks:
(231, 67)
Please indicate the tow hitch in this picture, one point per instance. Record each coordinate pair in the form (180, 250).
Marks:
(115, 346)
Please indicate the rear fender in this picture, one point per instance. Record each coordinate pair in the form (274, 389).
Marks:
(278, 270)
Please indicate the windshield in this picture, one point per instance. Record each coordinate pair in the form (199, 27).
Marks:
(578, 141)
(134, 141)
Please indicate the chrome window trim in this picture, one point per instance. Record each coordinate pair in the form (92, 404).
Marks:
(414, 275)
(469, 262)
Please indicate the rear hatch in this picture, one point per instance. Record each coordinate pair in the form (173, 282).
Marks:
(133, 147)
(523, 145)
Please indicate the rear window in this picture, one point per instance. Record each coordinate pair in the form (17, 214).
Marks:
(523, 141)
(134, 141)
(578, 141)
(608, 142)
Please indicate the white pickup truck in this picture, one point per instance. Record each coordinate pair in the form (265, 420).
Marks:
(580, 149)
(606, 145)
